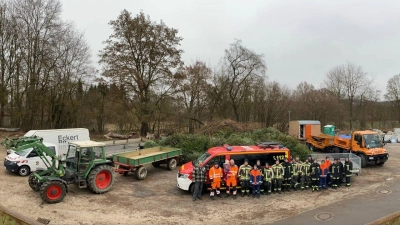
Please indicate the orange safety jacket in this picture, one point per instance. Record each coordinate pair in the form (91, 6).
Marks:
(215, 173)
(233, 172)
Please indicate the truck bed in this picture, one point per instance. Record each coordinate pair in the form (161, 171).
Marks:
(144, 156)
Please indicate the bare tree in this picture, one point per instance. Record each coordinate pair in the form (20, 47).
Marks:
(141, 55)
(241, 66)
(351, 80)
(393, 94)
(193, 91)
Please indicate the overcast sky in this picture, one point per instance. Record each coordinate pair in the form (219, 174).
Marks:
(301, 40)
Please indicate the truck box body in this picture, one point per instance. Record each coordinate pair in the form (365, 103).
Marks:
(61, 137)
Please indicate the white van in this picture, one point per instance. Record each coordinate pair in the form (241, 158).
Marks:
(60, 138)
(26, 161)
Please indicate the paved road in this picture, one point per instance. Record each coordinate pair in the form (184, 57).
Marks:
(361, 210)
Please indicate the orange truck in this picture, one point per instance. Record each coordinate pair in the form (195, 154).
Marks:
(365, 144)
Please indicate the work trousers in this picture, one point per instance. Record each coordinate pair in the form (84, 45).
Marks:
(322, 182)
(245, 184)
(335, 180)
(348, 180)
(287, 183)
(304, 181)
(198, 188)
(267, 186)
(277, 184)
(315, 183)
(256, 189)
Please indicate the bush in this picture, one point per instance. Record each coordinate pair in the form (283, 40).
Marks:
(194, 145)
(150, 144)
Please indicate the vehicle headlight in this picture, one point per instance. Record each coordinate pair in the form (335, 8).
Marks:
(184, 176)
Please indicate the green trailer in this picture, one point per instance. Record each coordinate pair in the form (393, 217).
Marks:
(135, 161)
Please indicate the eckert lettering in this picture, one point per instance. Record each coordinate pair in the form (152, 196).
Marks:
(67, 138)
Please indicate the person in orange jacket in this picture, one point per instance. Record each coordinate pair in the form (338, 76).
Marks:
(324, 172)
(231, 181)
(255, 181)
(328, 164)
(215, 175)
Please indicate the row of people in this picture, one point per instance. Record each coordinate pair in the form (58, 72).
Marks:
(265, 179)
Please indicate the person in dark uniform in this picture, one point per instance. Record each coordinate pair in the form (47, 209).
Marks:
(341, 175)
(315, 173)
(287, 176)
(335, 173)
(348, 167)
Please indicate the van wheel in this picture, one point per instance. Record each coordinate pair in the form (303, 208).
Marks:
(24, 171)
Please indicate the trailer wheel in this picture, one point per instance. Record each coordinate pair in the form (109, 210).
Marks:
(34, 183)
(101, 179)
(363, 161)
(52, 191)
(171, 164)
(335, 150)
(24, 171)
(141, 173)
(156, 164)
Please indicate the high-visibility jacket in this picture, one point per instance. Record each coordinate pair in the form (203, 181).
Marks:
(324, 169)
(215, 174)
(348, 167)
(305, 169)
(296, 168)
(267, 174)
(334, 170)
(233, 172)
(278, 171)
(244, 172)
(255, 177)
(328, 164)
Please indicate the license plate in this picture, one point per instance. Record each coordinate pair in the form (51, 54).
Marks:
(371, 157)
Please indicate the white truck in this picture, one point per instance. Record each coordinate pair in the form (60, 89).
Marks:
(59, 138)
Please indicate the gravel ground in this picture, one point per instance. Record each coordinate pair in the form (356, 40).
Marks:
(157, 200)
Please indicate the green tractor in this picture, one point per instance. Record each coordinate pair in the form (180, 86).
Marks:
(86, 166)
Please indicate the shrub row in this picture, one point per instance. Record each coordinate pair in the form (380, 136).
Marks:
(194, 145)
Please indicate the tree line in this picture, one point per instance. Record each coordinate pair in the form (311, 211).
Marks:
(49, 81)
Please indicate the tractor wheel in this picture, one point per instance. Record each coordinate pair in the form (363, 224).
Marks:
(335, 150)
(156, 164)
(171, 164)
(34, 183)
(24, 171)
(52, 191)
(141, 173)
(101, 179)
(363, 161)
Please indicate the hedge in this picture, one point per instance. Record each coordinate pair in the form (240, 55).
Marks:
(194, 145)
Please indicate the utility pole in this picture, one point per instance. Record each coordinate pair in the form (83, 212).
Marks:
(289, 120)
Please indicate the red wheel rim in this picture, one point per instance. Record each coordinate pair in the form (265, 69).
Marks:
(54, 192)
(103, 179)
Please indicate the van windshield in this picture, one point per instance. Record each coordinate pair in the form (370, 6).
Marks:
(24, 152)
(201, 158)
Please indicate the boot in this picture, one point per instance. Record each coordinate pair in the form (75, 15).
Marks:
(212, 197)
(234, 196)
(253, 196)
(248, 195)
(279, 192)
(227, 196)
(219, 196)
(242, 194)
(258, 195)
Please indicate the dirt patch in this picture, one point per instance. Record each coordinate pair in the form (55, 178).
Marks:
(157, 200)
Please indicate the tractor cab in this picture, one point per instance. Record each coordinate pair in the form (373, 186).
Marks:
(82, 156)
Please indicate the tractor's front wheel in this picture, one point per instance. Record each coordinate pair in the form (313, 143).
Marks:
(53, 191)
(101, 179)
(34, 183)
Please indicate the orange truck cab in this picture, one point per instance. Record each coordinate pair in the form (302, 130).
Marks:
(265, 152)
(366, 144)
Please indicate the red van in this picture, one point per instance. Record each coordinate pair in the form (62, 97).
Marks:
(265, 152)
